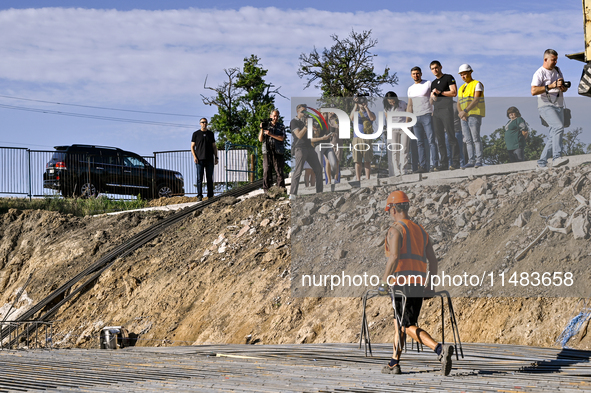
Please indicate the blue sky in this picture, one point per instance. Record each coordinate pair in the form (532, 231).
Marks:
(154, 56)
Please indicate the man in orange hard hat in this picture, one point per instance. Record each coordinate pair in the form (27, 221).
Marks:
(408, 248)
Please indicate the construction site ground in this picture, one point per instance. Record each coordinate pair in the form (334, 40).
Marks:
(293, 368)
(224, 275)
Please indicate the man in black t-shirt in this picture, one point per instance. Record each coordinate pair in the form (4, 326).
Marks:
(205, 155)
(303, 151)
(443, 89)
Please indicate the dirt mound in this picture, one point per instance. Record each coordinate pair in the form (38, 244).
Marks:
(224, 275)
(171, 201)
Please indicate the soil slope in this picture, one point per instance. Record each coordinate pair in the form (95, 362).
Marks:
(224, 275)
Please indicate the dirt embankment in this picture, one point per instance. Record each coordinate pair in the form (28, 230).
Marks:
(224, 275)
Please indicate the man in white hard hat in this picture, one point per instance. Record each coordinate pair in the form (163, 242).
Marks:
(471, 110)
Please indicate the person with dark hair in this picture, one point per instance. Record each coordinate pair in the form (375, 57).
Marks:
(272, 135)
(323, 147)
(303, 151)
(443, 89)
(408, 249)
(471, 110)
(548, 84)
(516, 131)
(205, 155)
(400, 141)
(365, 119)
(419, 104)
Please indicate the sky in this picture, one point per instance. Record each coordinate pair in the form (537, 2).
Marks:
(63, 62)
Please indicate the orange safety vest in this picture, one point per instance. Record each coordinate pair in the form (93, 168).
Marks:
(412, 261)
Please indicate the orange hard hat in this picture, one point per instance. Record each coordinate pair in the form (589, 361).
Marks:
(395, 198)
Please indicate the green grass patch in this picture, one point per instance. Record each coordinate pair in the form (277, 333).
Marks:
(76, 206)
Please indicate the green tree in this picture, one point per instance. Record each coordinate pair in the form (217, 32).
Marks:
(495, 150)
(345, 69)
(571, 143)
(243, 102)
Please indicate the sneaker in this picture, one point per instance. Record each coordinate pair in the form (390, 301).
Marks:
(559, 162)
(453, 167)
(199, 199)
(477, 165)
(468, 165)
(440, 168)
(445, 359)
(541, 168)
(391, 370)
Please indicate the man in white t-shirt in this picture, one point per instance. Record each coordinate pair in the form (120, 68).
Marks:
(548, 85)
(419, 104)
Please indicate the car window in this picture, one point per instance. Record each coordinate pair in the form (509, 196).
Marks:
(59, 156)
(109, 160)
(133, 162)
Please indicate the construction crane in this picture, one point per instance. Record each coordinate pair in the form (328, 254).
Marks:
(585, 57)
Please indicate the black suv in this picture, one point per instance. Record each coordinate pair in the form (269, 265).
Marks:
(85, 170)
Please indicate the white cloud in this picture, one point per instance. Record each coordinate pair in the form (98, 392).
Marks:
(151, 55)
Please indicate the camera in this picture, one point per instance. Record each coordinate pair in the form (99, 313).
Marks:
(265, 124)
(360, 98)
(567, 84)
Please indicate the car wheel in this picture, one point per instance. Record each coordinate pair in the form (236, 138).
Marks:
(88, 190)
(164, 191)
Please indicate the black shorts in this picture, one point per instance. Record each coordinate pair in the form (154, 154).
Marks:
(412, 310)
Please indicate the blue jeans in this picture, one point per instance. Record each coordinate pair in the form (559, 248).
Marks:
(423, 130)
(471, 131)
(208, 167)
(554, 116)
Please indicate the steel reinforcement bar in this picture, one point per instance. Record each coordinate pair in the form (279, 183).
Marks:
(121, 251)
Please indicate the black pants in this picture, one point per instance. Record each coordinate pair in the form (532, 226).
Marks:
(270, 161)
(301, 156)
(443, 123)
(516, 155)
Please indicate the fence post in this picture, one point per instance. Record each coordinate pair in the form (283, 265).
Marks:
(30, 180)
(227, 147)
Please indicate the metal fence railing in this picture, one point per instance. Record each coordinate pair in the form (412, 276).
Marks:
(33, 173)
(26, 334)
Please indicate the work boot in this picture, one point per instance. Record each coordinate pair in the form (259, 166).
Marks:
(445, 359)
(391, 370)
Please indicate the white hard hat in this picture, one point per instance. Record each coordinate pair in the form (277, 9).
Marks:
(465, 68)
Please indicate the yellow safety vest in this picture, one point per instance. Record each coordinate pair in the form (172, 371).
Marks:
(466, 96)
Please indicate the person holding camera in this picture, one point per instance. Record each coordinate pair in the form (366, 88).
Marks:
(364, 120)
(272, 136)
(549, 85)
(303, 151)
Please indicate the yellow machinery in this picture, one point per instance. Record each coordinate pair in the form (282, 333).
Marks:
(585, 83)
